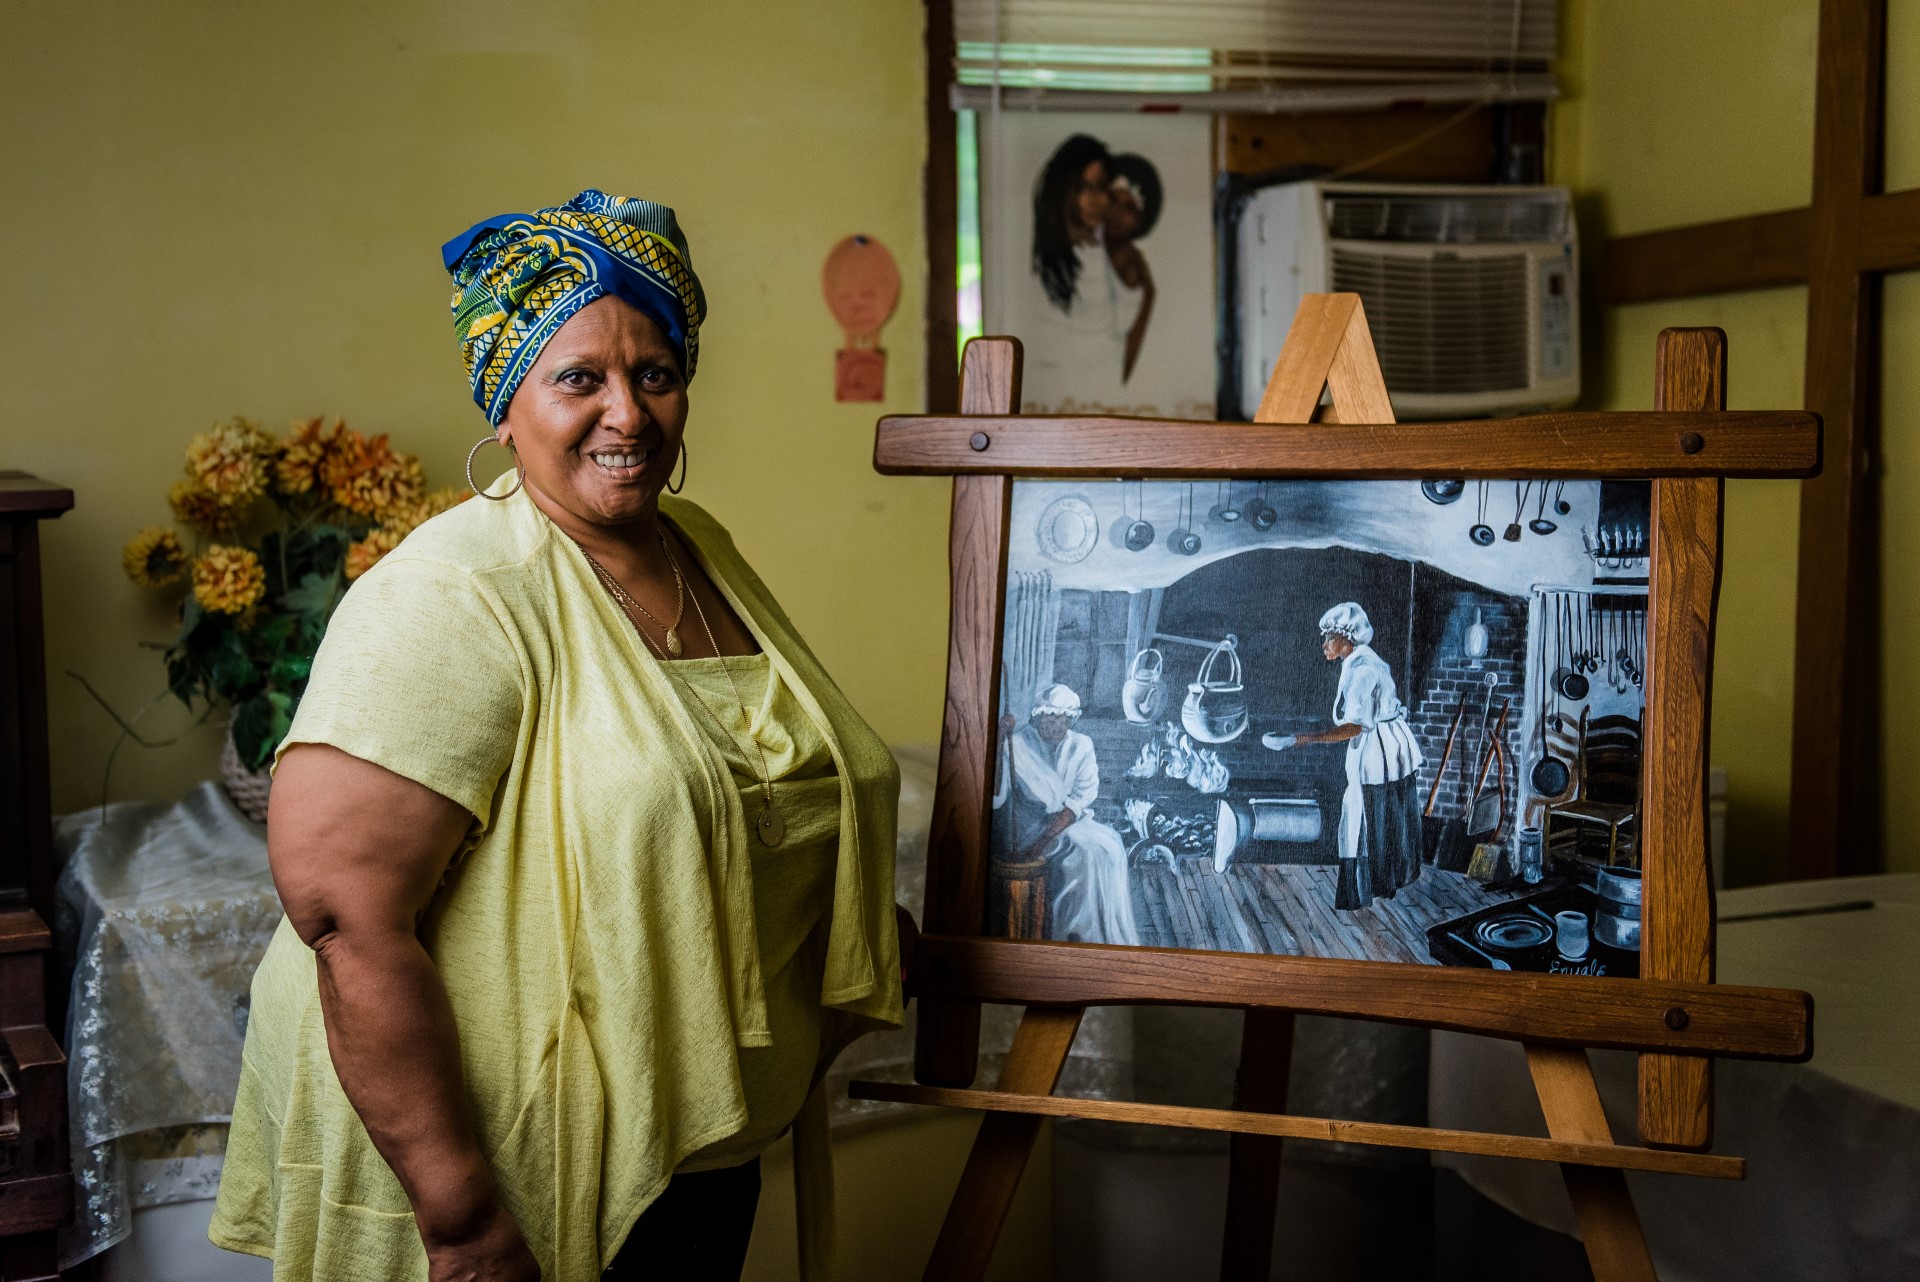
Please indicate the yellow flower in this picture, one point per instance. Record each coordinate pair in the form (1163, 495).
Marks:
(228, 580)
(404, 520)
(375, 481)
(299, 460)
(365, 554)
(154, 558)
(230, 460)
(201, 509)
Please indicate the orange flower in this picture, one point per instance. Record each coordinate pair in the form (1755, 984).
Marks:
(228, 580)
(301, 457)
(404, 520)
(229, 460)
(154, 558)
(374, 481)
(201, 509)
(365, 554)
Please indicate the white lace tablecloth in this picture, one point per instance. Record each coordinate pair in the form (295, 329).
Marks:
(165, 909)
(1832, 1145)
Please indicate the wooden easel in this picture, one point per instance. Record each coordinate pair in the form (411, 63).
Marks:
(1674, 1015)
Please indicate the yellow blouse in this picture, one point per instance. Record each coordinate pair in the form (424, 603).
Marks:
(792, 882)
(600, 936)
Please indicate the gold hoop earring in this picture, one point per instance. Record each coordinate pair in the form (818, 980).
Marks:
(671, 487)
(517, 467)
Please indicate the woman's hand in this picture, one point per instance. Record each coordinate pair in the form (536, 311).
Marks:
(496, 1253)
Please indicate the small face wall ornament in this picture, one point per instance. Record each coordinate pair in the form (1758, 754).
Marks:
(861, 284)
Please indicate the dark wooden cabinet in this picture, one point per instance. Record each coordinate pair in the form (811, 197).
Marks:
(36, 1184)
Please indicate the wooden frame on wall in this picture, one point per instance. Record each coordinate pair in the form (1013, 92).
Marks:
(1674, 1014)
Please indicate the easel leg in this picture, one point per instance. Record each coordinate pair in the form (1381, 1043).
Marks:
(1253, 1173)
(1609, 1226)
(980, 1203)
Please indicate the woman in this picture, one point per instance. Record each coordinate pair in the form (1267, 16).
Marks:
(587, 864)
(1048, 770)
(1069, 213)
(1380, 810)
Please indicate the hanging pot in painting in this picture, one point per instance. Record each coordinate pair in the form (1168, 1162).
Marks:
(1216, 706)
(1185, 542)
(1443, 492)
(1144, 695)
(1259, 514)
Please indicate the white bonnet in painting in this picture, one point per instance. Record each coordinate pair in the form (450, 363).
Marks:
(1350, 621)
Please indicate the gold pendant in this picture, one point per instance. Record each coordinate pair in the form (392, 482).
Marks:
(772, 829)
(674, 648)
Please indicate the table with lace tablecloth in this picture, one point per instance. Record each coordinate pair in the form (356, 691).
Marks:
(164, 911)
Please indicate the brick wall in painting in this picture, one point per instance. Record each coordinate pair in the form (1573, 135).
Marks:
(1451, 675)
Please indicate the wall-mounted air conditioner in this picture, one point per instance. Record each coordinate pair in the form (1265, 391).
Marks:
(1471, 292)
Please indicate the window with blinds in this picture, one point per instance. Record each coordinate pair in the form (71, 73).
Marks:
(1250, 55)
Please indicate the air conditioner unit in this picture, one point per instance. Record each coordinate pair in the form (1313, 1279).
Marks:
(1471, 292)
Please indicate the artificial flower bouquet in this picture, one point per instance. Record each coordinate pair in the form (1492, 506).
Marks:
(278, 528)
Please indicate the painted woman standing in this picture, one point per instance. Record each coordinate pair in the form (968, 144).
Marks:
(1380, 810)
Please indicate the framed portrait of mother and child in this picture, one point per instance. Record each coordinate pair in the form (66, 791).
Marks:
(1389, 720)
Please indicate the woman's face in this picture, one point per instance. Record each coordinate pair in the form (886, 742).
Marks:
(1124, 213)
(1334, 646)
(1088, 208)
(1052, 727)
(598, 422)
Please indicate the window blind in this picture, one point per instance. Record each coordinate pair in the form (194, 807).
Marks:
(1216, 55)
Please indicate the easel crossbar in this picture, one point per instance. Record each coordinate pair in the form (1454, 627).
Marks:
(1622, 1014)
(1747, 443)
(1624, 1157)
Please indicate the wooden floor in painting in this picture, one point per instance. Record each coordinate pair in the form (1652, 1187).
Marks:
(1288, 908)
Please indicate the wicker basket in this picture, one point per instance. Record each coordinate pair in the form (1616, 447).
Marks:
(248, 788)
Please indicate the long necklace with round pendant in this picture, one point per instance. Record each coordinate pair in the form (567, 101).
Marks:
(769, 826)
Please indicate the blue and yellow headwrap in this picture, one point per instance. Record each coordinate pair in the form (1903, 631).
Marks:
(518, 277)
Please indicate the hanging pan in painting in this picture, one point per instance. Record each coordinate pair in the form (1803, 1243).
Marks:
(1143, 698)
(1216, 706)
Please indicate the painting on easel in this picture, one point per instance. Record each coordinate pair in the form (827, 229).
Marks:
(1386, 720)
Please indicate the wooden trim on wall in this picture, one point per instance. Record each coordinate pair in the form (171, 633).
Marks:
(940, 188)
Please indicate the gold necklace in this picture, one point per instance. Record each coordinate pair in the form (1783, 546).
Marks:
(627, 601)
(770, 827)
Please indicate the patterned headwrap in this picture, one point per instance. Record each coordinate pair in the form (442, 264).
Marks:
(518, 277)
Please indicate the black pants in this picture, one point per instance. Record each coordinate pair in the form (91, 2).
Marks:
(696, 1231)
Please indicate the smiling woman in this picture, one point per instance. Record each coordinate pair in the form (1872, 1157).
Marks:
(587, 864)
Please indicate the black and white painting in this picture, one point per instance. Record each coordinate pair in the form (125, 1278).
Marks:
(1387, 720)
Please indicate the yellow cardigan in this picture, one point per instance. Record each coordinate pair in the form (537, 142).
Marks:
(597, 935)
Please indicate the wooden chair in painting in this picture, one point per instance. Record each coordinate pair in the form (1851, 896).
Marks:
(1606, 803)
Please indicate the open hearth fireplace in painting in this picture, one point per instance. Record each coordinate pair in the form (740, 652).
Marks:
(1387, 720)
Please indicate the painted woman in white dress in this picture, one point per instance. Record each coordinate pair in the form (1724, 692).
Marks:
(1048, 772)
(1380, 810)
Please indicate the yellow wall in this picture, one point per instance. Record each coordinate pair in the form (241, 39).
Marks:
(227, 209)
(1680, 113)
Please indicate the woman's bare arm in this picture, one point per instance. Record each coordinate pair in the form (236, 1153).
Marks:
(1339, 734)
(357, 853)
